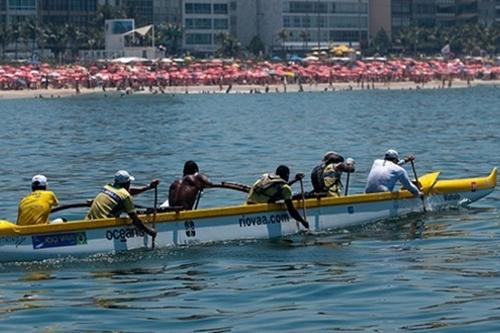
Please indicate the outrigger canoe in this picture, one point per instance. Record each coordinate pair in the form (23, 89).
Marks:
(261, 221)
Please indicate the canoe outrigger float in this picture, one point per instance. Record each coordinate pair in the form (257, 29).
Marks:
(261, 221)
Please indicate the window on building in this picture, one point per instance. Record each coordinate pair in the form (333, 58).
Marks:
(345, 35)
(20, 18)
(85, 5)
(445, 9)
(22, 4)
(198, 23)
(199, 39)
(198, 8)
(296, 22)
(220, 8)
(221, 24)
(286, 21)
(306, 7)
(3, 5)
(233, 6)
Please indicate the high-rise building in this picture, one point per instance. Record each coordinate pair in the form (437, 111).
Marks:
(497, 11)
(3, 12)
(12, 11)
(202, 20)
(78, 13)
(299, 24)
(441, 13)
(380, 17)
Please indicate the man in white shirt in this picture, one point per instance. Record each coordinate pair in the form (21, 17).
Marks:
(385, 173)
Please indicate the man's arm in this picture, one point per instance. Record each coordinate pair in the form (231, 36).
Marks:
(295, 214)
(405, 180)
(137, 190)
(140, 225)
(203, 181)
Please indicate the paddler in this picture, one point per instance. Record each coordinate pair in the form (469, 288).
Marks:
(36, 206)
(116, 198)
(325, 177)
(185, 192)
(385, 173)
(274, 187)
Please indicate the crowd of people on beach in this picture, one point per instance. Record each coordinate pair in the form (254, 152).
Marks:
(160, 75)
(115, 198)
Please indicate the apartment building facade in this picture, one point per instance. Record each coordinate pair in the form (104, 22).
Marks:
(442, 13)
(12, 11)
(202, 21)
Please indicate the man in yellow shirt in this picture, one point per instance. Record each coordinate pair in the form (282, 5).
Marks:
(36, 206)
(116, 198)
(274, 187)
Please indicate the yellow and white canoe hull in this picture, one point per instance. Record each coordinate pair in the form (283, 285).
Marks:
(83, 238)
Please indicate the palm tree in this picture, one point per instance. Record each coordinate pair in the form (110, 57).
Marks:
(229, 46)
(15, 31)
(174, 35)
(283, 36)
(304, 35)
(381, 42)
(256, 46)
(5, 38)
(56, 39)
(30, 32)
(77, 38)
(410, 37)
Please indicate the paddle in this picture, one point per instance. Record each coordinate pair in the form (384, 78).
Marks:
(347, 184)
(198, 197)
(234, 186)
(89, 203)
(154, 216)
(418, 184)
(74, 205)
(303, 199)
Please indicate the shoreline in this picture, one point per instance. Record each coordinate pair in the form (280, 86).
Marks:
(246, 89)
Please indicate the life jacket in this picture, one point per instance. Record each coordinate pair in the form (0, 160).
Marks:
(269, 185)
(317, 178)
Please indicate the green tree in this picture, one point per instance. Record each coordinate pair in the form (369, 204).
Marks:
(55, 38)
(304, 35)
(5, 38)
(15, 32)
(77, 39)
(30, 33)
(256, 46)
(284, 35)
(229, 46)
(410, 37)
(169, 36)
(381, 42)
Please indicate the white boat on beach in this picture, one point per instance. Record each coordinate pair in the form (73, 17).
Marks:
(261, 221)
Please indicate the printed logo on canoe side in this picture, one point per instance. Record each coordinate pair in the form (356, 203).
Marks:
(123, 234)
(59, 240)
(12, 240)
(190, 229)
(249, 221)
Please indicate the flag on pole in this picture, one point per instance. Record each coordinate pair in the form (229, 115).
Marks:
(445, 50)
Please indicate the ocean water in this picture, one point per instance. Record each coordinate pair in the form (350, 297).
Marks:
(434, 272)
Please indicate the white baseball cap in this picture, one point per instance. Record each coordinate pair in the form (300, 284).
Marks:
(123, 177)
(40, 179)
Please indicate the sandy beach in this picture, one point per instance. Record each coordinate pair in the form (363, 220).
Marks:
(247, 89)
